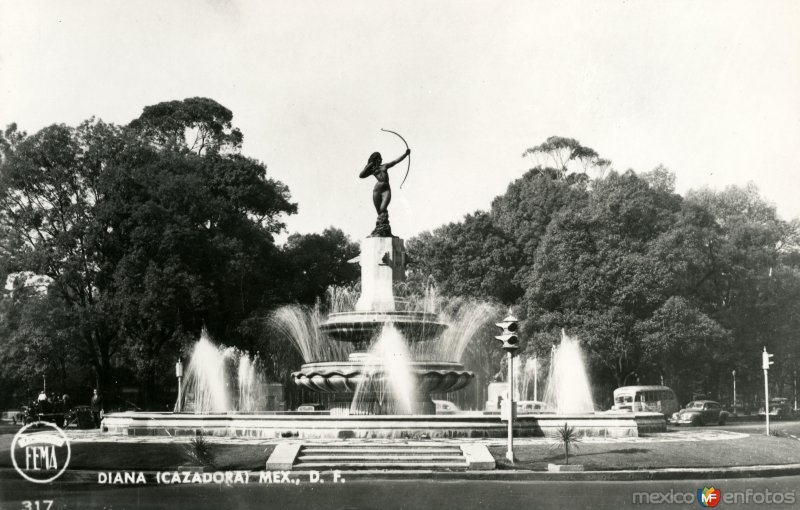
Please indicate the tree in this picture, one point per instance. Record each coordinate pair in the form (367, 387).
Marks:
(48, 193)
(680, 341)
(198, 124)
(468, 259)
(320, 261)
(558, 156)
(522, 215)
(147, 237)
(37, 341)
(605, 266)
(751, 284)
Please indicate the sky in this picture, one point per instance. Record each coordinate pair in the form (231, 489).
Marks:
(709, 89)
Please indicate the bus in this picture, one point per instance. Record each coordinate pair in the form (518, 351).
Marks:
(653, 399)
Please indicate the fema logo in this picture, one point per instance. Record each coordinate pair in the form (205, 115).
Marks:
(40, 452)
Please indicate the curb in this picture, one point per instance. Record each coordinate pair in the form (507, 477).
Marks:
(504, 475)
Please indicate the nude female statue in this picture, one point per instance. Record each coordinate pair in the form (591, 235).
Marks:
(382, 193)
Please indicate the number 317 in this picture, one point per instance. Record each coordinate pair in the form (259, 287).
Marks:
(44, 504)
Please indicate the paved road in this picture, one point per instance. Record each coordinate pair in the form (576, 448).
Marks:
(397, 494)
(752, 427)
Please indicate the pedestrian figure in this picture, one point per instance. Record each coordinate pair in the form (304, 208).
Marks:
(96, 405)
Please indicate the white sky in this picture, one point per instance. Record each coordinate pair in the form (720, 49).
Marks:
(709, 89)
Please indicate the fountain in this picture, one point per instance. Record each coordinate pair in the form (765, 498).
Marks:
(223, 380)
(568, 390)
(382, 374)
(378, 359)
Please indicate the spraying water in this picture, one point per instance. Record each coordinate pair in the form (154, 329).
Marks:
(300, 325)
(387, 379)
(568, 388)
(221, 379)
(341, 299)
(252, 385)
(525, 374)
(464, 319)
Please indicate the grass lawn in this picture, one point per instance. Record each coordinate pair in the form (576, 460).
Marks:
(156, 457)
(749, 451)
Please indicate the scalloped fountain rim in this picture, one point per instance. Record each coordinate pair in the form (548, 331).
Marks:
(344, 376)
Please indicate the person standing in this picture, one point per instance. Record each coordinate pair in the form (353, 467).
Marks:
(43, 403)
(96, 405)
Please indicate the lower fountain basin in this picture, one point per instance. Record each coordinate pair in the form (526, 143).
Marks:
(289, 424)
(344, 376)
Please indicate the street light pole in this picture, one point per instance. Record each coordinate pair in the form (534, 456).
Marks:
(536, 382)
(733, 372)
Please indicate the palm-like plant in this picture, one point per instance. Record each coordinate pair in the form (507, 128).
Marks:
(199, 450)
(567, 438)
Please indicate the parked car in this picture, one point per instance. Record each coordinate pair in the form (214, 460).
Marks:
(307, 408)
(533, 406)
(740, 408)
(700, 412)
(14, 415)
(779, 409)
(445, 407)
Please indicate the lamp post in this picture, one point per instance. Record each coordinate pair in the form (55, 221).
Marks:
(179, 374)
(536, 382)
(733, 373)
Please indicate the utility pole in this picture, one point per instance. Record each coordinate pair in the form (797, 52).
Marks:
(765, 363)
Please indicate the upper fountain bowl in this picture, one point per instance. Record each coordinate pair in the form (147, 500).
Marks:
(361, 327)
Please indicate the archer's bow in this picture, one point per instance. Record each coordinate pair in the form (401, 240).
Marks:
(409, 155)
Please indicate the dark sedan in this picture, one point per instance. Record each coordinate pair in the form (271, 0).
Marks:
(779, 409)
(700, 412)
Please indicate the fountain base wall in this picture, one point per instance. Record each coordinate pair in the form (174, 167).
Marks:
(316, 425)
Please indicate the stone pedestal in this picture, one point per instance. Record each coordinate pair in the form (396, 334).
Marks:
(382, 262)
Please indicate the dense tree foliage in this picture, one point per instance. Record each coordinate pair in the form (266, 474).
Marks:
(147, 233)
(657, 287)
(473, 258)
(319, 261)
(120, 243)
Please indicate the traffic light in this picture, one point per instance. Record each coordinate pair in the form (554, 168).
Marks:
(765, 359)
(509, 336)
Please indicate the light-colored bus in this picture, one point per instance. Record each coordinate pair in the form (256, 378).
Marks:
(651, 399)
